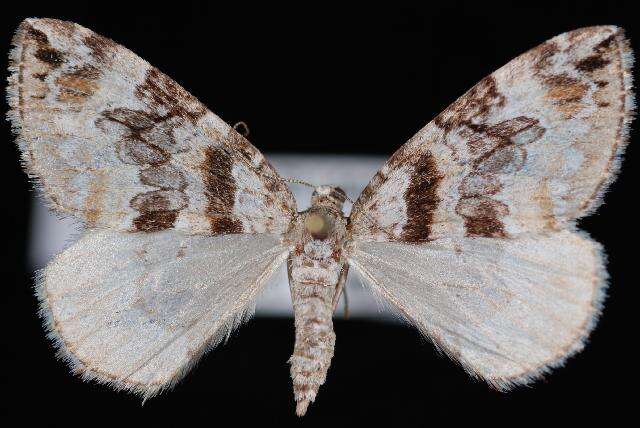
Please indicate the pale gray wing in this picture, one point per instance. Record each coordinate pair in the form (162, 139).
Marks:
(507, 310)
(116, 143)
(136, 311)
(529, 149)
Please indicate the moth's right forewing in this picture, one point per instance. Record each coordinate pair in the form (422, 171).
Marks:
(136, 311)
(529, 149)
(507, 310)
(469, 228)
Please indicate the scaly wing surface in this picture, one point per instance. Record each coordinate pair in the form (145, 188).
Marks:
(506, 310)
(118, 144)
(529, 149)
(469, 229)
(136, 311)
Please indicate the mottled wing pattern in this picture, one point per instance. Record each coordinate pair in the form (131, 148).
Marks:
(508, 310)
(468, 230)
(530, 148)
(136, 311)
(116, 143)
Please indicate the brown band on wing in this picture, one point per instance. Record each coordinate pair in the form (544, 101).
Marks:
(220, 190)
(421, 199)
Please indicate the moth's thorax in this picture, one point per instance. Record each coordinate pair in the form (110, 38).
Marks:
(317, 238)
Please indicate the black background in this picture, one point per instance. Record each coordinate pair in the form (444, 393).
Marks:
(335, 80)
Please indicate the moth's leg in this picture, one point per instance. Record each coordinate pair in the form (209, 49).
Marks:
(339, 288)
(346, 303)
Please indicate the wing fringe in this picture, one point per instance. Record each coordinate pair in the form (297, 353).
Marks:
(627, 60)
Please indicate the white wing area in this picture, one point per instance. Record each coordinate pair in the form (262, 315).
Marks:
(507, 310)
(138, 310)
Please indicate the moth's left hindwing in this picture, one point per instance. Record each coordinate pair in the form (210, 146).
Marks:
(117, 144)
(469, 228)
(137, 310)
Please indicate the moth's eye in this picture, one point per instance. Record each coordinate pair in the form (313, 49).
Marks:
(317, 225)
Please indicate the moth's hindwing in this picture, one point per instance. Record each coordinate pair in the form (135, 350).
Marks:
(137, 311)
(508, 310)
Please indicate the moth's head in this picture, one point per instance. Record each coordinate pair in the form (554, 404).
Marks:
(330, 196)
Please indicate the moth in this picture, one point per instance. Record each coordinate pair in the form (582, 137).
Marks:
(468, 230)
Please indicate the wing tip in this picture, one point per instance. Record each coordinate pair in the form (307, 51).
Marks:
(16, 59)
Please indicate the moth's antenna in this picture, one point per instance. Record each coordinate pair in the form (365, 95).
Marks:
(245, 128)
(298, 181)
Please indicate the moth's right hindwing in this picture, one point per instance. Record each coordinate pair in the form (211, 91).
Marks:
(506, 310)
(117, 144)
(136, 311)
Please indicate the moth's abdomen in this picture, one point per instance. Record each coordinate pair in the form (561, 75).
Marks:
(316, 277)
(315, 340)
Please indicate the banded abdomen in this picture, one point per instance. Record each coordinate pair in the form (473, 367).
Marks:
(315, 340)
(316, 275)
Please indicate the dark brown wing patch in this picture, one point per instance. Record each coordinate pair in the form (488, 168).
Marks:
(421, 198)
(220, 191)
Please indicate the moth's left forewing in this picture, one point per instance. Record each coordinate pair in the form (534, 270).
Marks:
(116, 143)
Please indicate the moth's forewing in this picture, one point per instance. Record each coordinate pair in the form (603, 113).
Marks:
(469, 228)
